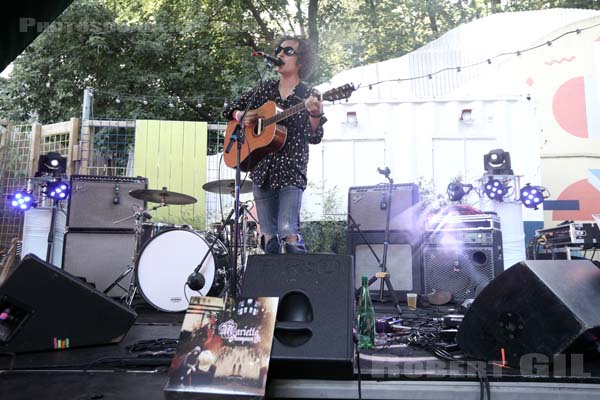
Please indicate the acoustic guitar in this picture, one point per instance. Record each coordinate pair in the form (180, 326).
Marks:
(266, 135)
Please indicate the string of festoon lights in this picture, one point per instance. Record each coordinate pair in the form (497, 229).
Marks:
(200, 100)
(171, 101)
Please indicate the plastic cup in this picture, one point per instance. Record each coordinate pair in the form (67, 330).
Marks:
(411, 300)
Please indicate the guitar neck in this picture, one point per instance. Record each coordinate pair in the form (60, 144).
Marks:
(284, 114)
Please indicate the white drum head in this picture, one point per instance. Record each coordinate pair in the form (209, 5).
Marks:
(165, 264)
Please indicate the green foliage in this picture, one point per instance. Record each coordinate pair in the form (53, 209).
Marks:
(183, 53)
(327, 235)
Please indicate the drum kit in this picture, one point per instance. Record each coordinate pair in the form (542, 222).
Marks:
(165, 254)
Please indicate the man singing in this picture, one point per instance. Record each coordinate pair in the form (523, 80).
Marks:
(279, 179)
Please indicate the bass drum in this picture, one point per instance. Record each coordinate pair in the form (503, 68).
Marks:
(167, 260)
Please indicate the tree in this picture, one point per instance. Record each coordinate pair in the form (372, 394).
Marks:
(182, 59)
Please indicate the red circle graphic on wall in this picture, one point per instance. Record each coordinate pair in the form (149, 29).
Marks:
(589, 202)
(568, 107)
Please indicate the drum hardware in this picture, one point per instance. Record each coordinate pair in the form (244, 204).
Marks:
(164, 254)
(196, 280)
(140, 215)
(247, 238)
(164, 198)
(164, 263)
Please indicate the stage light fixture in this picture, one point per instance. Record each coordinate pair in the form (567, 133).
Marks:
(456, 190)
(497, 162)
(58, 190)
(532, 196)
(494, 189)
(51, 163)
(22, 200)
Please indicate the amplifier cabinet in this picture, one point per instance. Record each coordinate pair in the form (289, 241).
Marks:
(462, 267)
(403, 259)
(96, 202)
(100, 257)
(367, 207)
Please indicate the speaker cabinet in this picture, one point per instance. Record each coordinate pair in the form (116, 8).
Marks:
(544, 307)
(46, 308)
(367, 208)
(313, 332)
(100, 257)
(403, 259)
(461, 269)
(96, 202)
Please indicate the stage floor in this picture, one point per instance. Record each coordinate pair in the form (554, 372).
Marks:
(394, 371)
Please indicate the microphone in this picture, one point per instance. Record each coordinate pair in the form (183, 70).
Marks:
(196, 281)
(272, 59)
(116, 198)
(145, 213)
(385, 171)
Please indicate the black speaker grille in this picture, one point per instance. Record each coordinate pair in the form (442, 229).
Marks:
(97, 202)
(459, 271)
(99, 257)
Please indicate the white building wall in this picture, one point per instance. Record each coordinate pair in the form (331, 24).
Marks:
(419, 139)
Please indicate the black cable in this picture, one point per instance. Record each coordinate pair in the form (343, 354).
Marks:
(487, 386)
(355, 340)
(185, 294)
(161, 344)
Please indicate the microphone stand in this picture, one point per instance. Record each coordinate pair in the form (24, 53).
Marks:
(194, 277)
(384, 275)
(50, 248)
(237, 136)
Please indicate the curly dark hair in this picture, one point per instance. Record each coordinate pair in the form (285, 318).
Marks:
(307, 54)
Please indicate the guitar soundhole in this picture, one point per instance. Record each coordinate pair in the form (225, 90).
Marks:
(256, 129)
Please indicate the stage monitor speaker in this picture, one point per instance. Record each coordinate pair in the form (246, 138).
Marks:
(543, 307)
(100, 257)
(367, 207)
(44, 308)
(460, 269)
(96, 202)
(313, 332)
(403, 259)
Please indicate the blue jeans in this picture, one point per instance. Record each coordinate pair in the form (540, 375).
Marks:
(279, 216)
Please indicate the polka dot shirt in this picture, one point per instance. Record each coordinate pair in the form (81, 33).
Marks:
(288, 166)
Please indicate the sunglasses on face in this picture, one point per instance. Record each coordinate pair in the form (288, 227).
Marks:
(288, 51)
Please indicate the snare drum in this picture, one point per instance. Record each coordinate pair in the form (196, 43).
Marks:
(166, 261)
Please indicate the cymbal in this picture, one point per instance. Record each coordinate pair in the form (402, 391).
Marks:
(162, 196)
(227, 186)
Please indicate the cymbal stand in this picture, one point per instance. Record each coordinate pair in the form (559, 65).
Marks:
(139, 215)
(245, 214)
